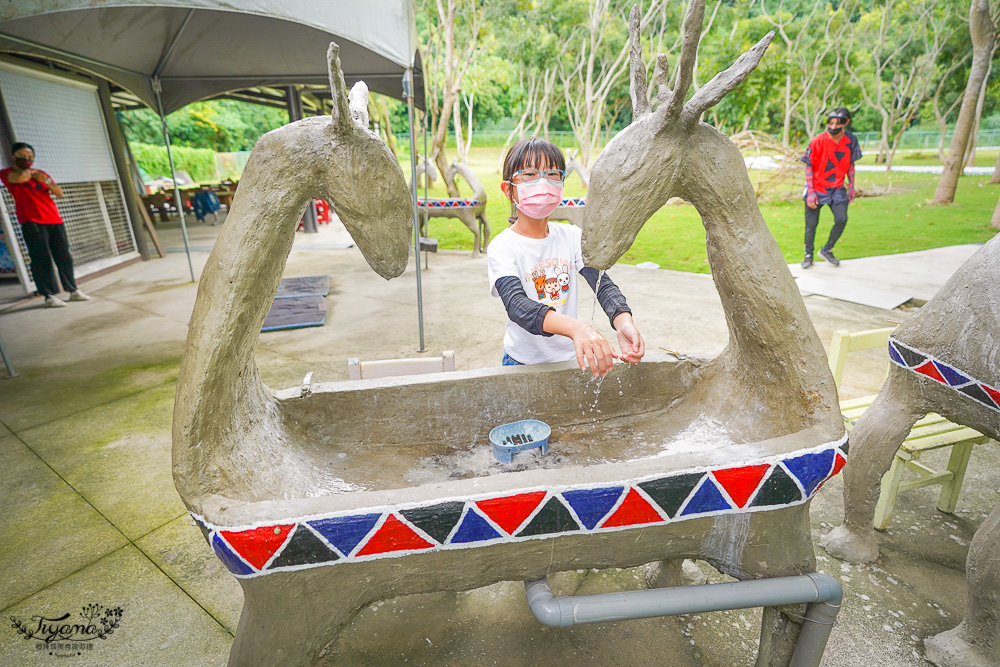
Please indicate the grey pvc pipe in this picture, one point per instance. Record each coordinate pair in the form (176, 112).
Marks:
(821, 591)
(408, 93)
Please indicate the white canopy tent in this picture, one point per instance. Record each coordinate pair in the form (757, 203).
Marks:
(168, 53)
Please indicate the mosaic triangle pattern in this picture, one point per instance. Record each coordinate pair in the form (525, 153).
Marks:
(925, 364)
(489, 519)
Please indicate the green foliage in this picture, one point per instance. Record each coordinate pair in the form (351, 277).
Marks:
(222, 125)
(198, 162)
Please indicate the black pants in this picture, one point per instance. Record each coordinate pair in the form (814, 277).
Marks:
(812, 220)
(48, 243)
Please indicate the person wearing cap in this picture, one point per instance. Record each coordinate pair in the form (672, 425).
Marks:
(829, 161)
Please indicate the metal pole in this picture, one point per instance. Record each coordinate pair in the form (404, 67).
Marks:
(408, 93)
(11, 373)
(173, 174)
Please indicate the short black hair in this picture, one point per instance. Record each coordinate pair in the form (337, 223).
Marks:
(532, 153)
(19, 145)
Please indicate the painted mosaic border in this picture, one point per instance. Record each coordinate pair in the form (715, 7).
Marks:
(526, 514)
(930, 366)
(448, 203)
(573, 202)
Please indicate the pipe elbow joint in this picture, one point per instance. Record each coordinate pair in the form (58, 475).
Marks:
(546, 608)
(829, 589)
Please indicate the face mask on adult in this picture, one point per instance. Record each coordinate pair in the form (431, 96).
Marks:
(834, 131)
(23, 162)
(539, 199)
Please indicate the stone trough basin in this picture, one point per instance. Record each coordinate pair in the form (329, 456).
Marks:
(406, 496)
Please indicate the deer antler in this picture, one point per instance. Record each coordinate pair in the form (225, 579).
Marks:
(341, 111)
(725, 82)
(689, 54)
(637, 89)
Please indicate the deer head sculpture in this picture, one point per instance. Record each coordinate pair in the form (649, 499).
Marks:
(228, 429)
(774, 363)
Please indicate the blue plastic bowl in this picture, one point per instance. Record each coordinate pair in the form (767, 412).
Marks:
(509, 439)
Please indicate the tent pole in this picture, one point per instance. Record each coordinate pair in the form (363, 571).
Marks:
(173, 175)
(408, 92)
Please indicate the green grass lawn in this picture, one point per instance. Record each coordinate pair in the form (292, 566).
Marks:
(901, 221)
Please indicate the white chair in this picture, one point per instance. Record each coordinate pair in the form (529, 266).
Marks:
(366, 370)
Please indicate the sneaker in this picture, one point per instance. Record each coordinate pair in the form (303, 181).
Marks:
(54, 302)
(807, 262)
(828, 256)
(78, 296)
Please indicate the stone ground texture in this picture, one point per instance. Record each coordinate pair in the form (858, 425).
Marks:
(91, 514)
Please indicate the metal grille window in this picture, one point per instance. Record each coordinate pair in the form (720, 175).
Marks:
(96, 224)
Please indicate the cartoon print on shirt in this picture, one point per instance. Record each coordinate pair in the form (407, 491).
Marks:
(562, 275)
(551, 280)
(552, 287)
(538, 276)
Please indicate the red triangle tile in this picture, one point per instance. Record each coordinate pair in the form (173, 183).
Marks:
(740, 483)
(930, 370)
(994, 394)
(259, 544)
(634, 510)
(394, 535)
(510, 512)
(838, 464)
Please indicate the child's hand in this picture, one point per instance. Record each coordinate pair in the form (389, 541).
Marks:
(630, 341)
(594, 348)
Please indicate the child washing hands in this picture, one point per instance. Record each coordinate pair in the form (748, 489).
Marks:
(533, 266)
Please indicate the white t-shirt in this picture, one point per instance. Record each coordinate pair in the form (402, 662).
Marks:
(547, 269)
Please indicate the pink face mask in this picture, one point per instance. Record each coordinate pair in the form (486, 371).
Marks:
(539, 199)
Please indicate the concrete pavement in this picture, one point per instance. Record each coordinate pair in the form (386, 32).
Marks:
(91, 515)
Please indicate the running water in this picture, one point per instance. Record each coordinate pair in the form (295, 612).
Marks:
(593, 309)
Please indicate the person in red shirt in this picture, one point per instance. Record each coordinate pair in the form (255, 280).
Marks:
(41, 225)
(830, 162)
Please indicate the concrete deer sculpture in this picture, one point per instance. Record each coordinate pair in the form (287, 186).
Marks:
(230, 434)
(571, 208)
(774, 367)
(944, 360)
(472, 212)
(431, 171)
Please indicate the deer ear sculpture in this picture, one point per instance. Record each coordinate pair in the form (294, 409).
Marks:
(357, 101)
(341, 111)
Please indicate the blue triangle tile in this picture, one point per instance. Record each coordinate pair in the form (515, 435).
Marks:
(474, 528)
(591, 505)
(345, 532)
(894, 356)
(233, 563)
(811, 469)
(706, 499)
(951, 375)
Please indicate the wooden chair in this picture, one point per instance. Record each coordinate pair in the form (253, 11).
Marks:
(929, 433)
(366, 370)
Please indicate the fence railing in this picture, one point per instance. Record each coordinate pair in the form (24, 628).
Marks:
(927, 139)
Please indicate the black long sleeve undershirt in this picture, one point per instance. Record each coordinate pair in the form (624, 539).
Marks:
(530, 314)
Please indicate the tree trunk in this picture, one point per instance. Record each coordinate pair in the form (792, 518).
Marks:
(786, 125)
(970, 148)
(983, 32)
(996, 174)
(995, 220)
